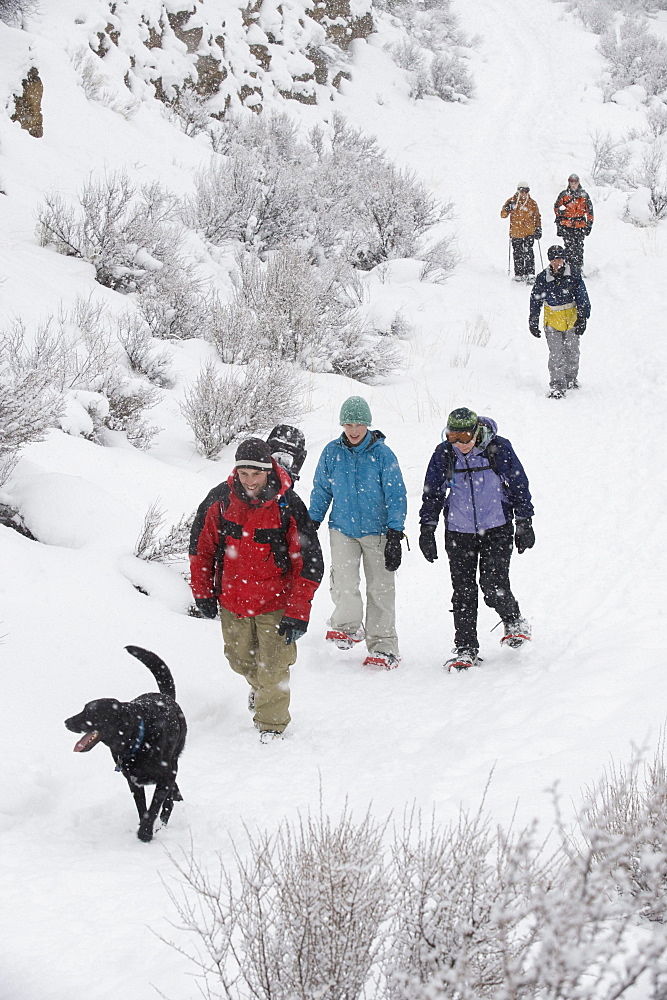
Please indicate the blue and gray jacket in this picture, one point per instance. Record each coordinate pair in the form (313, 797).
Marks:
(365, 485)
(478, 491)
(564, 298)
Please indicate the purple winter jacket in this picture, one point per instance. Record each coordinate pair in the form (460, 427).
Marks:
(472, 496)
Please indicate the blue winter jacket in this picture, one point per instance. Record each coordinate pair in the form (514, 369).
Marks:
(477, 491)
(365, 485)
(559, 293)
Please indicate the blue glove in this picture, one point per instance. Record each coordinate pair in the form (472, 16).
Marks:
(207, 607)
(292, 629)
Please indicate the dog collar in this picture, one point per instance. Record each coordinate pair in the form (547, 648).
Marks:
(137, 743)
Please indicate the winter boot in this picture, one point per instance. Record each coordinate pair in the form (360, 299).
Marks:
(269, 735)
(386, 660)
(572, 383)
(556, 394)
(517, 631)
(345, 640)
(463, 659)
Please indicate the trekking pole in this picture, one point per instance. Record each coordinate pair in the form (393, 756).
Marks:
(540, 249)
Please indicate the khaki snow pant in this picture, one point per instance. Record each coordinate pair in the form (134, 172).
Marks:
(563, 357)
(255, 650)
(348, 614)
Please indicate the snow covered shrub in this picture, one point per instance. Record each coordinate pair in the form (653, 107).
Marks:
(652, 174)
(299, 918)
(656, 120)
(124, 232)
(219, 408)
(135, 338)
(450, 78)
(610, 160)
(232, 329)
(174, 300)
(636, 56)
(96, 86)
(28, 408)
(289, 308)
(172, 547)
(623, 827)
(128, 400)
(16, 11)
(190, 110)
(396, 211)
(439, 261)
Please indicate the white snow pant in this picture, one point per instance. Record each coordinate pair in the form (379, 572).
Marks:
(348, 613)
(563, 357)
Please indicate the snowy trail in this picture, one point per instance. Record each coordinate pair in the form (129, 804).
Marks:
(78, 882)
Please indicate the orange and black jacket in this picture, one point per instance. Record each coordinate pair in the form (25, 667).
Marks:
(574, 210)
(256, 555)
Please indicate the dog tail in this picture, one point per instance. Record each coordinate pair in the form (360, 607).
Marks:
(157, 667)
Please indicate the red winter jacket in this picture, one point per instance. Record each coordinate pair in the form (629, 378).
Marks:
(573, 210)
(256, 556)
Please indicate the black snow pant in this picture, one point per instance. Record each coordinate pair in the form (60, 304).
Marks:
(573, 241)
(493, 551)
(524, 256)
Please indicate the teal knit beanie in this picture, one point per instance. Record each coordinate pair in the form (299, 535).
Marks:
(356, 410)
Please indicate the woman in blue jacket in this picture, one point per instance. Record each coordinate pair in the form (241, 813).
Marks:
(476, 480)
(358, 476)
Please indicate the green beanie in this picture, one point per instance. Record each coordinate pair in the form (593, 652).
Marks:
(462, 419)
(356, 410)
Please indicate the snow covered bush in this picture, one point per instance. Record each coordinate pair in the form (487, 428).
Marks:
(291, 309)
(134, 336)
(652, 174)
(611, 158)
(171, 547)
(636, 56)
(439, 260)
(299, 918)
(15, 11)
(220, 407)
(623, 826)
(98, 87)
(28, 408)
(126, 233)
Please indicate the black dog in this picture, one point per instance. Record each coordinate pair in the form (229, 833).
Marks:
(145, 736)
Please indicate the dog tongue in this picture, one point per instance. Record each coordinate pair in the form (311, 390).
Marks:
(87, 741)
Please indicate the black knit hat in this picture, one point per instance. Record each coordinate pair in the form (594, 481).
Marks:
(556, 253)
(253, 453)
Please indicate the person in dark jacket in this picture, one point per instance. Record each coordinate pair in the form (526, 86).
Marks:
(359, 477)
(566, 311)
(254, 552)
(573, 210)
(525, 228)
(476, 480)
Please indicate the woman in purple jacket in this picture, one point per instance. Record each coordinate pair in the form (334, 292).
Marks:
(476, 480)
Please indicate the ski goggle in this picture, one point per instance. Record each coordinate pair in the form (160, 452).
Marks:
(462, 437)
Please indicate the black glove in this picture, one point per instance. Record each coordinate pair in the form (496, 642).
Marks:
(427, 542)
(560, 231)
(524, 536)
(510, 206)
(533, 326)
(538, 233)
(580, 326)
(587, 230)
(292, 629)
(316, 524)
(392, 550)
(207, 607)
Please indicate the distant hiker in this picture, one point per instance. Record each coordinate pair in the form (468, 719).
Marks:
(360, 476)
(476, 480)
(566, 311)
(255, 552)
(574, 220)
(525, 228)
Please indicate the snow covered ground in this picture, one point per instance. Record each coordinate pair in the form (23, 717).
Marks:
(83, 899)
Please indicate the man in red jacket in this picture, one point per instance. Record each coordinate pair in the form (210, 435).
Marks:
(255, 552)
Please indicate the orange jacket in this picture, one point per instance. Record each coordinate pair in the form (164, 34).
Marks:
(574, 209)
(524, 217)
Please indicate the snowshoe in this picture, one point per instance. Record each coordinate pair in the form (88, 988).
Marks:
(556, 394)
(385, 660)
(344, 640)
(288, 447)
(463, 659)
(572, 383)
(517, 632)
